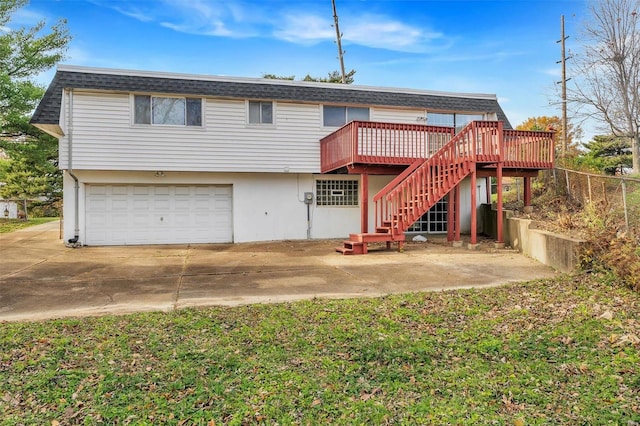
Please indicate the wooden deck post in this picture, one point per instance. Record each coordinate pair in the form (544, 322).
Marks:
(457, 213)
(474, 211)
(364, 210)
(499, 236)
(451, 199)
(488, 188)
(527, 192)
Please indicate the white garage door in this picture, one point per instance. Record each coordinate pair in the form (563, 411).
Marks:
(153, 214)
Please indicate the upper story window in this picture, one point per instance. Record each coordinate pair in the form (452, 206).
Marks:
(453, 120)
(167, 110)
(336, 116)
(260, 112)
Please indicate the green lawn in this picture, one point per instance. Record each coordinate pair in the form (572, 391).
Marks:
(563, 351)
(10, 225)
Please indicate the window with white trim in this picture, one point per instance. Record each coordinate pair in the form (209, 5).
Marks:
(163, 110)
(336, 192)
(260, 112)
(337, 116)
(453, 120)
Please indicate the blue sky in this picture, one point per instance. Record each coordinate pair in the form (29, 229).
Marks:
(507, 48)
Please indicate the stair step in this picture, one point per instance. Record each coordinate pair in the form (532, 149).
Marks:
(352, 247)
(372, 237)
(345, 251)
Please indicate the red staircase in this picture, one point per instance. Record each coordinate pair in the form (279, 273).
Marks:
(413, 192)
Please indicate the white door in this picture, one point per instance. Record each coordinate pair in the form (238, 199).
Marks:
(155, 214)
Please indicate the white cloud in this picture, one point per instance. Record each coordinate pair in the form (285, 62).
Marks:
(134, 13)
(375, 31)
(26, 17)
(391, 34)
(242, 19)
(210, 29)
(201, 17)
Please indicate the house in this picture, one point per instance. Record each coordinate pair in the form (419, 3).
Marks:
(161, 158)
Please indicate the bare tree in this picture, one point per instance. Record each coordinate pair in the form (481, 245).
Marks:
(606, 72)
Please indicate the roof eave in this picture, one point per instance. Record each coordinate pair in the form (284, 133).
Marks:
(52, 129)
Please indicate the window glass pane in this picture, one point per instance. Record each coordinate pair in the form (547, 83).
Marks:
(254, 112)
(337, 193)
(267, 112)
(464, 119)
(194, 112)
(142, 109)
(168, 111)
(334, 116)
(361, 114)
(437, 119)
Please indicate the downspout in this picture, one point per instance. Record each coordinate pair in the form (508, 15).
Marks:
(76, 231)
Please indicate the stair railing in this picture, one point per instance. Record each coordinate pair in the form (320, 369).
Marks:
(409, 198)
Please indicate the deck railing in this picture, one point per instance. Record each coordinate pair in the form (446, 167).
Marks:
(368, 142)
(528, 149)
(402, 204)
(415, 191)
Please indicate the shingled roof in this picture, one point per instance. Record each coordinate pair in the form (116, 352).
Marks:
(72, 77)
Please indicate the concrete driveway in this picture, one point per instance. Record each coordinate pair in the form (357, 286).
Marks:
(40, 278)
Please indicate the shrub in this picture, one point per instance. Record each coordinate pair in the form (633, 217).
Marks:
(623, 259)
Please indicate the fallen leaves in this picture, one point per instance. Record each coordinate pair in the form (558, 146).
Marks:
(512, 354)
(607, 315)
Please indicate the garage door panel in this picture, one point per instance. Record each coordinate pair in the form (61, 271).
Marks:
(161, 190)
(136, 214)
(182, 190)
(117, 190)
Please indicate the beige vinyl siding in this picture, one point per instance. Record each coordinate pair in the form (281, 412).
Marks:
(104, 138)
(389, 115)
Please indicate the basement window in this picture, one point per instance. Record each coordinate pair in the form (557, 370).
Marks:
(337, 193)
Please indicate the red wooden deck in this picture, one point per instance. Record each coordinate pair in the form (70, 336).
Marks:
(365, 144)
(430, 162)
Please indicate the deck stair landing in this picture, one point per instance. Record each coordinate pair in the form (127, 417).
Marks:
(412, 193)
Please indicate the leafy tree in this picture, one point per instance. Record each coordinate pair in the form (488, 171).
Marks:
(30, 170)
(554, 123)
(608, 154)
(25, 53)
(332, 77)
(606, 73)
(279, 77)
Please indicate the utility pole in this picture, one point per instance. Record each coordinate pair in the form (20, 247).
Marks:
(339, 42)
(563, 60)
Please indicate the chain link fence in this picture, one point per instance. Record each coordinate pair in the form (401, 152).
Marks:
(615, 198)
